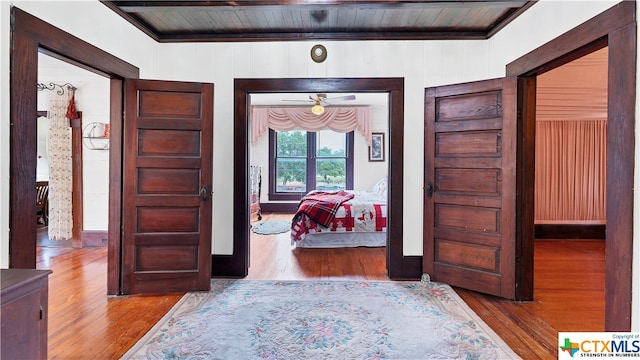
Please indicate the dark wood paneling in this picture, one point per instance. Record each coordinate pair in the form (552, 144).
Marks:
(615, 28)
(179, 21)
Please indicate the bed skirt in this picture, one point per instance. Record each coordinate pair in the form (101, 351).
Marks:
(342, 239)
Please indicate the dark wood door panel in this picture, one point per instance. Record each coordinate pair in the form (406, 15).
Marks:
(472, 256)
(167, 219)
(162, 258)
(468, 218)
(471, 143)
(470, 181)
(484, 182)
(155, 142)
(469, 107)
(167, 182)
(171, 104)
(471, 279)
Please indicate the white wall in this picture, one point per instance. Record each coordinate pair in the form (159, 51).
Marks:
(421, 63)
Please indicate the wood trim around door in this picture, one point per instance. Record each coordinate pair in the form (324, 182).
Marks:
(29, 35)
(615, 28)
(398, 265)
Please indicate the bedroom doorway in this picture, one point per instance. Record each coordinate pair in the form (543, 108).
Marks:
(325, 160)
(397, 266)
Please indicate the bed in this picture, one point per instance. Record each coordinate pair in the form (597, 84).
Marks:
(345, 218)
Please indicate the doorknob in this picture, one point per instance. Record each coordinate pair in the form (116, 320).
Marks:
(204, 193)
(429, 190)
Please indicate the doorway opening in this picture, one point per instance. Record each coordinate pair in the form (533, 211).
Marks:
(398, 266)
(619, 36)
(286, 164)
(570, 186)
(89, 155)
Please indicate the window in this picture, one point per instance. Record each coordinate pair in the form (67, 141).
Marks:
(301, 161)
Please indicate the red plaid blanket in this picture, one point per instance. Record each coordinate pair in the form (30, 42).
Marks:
(321, 206)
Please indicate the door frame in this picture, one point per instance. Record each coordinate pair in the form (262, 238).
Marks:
(29, 35)
(615, 28)
(398, 266)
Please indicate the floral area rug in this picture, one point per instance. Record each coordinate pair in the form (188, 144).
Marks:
(271, 227)
(253, 319)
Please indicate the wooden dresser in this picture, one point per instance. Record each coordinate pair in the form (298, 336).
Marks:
(23, 314)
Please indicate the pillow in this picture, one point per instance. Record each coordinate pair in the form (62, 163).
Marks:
(380, 188)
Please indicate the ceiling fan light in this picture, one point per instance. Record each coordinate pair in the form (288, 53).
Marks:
(317, 109)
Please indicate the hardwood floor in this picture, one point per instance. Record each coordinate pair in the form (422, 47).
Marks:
(86, 323)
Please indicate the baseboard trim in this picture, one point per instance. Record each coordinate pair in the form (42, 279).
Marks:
(286, 208)
(93, 238)
(570, 231)
(223, 266)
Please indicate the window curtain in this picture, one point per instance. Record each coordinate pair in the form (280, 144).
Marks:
(340, 119)
(570, 183)
(60, 168)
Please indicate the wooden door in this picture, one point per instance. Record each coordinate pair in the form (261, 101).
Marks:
(167, 178)
(470, 182)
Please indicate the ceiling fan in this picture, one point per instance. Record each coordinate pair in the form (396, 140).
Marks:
(320, 100)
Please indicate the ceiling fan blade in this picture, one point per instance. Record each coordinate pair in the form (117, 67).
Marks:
(339, 98)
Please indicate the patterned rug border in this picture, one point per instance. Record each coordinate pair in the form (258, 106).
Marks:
(499, 342)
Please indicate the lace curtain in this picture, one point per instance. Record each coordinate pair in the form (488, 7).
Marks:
(60, 169)
(340, 119)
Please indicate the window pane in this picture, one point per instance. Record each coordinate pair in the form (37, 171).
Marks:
(331, 174)
(330, 143)
(291, 143)
(291, 175)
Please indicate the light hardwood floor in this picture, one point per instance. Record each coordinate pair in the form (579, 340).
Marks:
(85, 323)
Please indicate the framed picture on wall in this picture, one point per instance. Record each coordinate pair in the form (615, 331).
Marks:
(376, 150)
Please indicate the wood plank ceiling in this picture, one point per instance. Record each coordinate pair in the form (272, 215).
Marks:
(268, 20)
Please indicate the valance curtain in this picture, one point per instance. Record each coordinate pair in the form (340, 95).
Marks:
(60, 169)
(339, 119)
